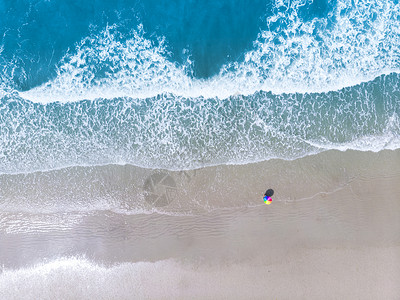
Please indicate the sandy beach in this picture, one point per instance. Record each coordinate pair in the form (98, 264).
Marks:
(138, 138)
(332, 231)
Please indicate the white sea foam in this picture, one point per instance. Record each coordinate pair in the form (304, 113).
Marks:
(78, 278)
(168, 131)
(389, 140)
(179, 134)
(352, 44)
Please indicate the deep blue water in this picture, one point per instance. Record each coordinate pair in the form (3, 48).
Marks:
(38, 33)
(193, 83)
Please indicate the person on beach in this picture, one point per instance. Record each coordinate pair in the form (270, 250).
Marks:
(267, 196)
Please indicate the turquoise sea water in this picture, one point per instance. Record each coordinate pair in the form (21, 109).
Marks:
(109, 110)
(194, 83)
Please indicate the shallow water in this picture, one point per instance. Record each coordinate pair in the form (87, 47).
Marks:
(137, 139)
(339, 220)
(133, 214)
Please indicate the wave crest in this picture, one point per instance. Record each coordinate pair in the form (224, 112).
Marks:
(177, 133)
(350, 45)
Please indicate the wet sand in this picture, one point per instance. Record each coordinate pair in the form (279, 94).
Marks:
(332, 231)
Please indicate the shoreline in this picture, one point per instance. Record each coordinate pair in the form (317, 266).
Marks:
(332, 230)
(329, 273)
(129, 189)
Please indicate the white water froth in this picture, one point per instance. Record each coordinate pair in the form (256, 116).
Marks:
(78, 278)
(355, 43)
(389, 140)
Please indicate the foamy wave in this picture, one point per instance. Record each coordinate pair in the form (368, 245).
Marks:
(174, 133)
(388, 140)
(353, 44)
(157, 127)
(79, 278)
(73, 278)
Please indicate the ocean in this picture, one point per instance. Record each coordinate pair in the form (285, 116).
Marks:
(135, 134)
